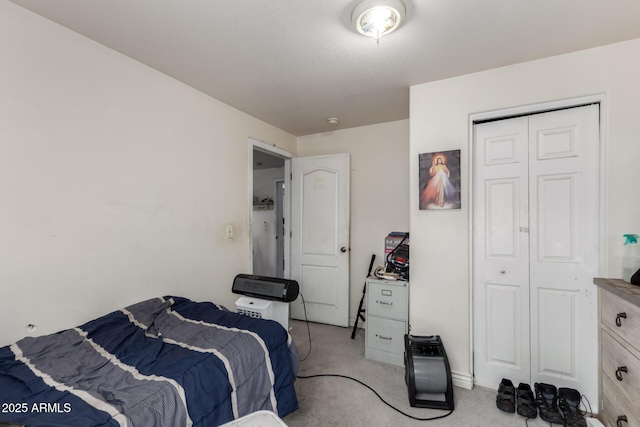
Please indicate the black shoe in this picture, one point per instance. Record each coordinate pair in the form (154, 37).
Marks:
(506, 398)
(526, 403)
(547, 401)
(569, 402)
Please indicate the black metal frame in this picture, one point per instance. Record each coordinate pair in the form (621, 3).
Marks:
(364, 291)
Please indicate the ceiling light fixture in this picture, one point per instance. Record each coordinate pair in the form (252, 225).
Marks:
(376, 18)
(333, 120)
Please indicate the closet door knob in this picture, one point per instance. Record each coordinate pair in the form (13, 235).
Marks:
(343, 249)
(619, 372)
(620, 316)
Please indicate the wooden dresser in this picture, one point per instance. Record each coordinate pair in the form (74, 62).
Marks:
(619, 353)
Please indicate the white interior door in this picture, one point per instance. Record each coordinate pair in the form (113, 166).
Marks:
(564, 205)
(536, 237)
(320, 237)
(501, 253)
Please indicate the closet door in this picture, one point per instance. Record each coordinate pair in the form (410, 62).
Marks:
(501, 252)
(564, 211)
(534, 264)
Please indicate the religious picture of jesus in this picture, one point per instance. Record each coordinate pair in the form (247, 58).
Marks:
(439, 180)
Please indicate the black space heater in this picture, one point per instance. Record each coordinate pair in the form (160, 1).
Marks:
(427, 372)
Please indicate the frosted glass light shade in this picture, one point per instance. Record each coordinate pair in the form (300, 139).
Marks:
(375, 18)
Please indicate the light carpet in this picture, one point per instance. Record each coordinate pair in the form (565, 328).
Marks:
(331, 401)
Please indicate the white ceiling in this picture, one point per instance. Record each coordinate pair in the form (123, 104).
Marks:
(293, 63)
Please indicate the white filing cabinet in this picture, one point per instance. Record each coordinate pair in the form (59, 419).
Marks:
(387, 320)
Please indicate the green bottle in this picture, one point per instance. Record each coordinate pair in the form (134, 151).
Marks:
(631, 258)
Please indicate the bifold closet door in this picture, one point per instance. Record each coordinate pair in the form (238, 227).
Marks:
(564, 206)
(501, 252)
(536, 234)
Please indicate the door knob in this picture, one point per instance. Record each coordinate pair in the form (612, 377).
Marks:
(343, 249)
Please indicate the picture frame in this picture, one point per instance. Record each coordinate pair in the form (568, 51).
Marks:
(439, 180)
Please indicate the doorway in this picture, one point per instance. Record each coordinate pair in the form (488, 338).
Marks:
(314, 196)
(536, 234)
(267, 177)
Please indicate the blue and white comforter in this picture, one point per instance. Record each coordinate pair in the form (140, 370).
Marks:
(162, 362)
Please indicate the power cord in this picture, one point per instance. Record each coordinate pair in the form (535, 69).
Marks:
(379, 397)
(304, 306)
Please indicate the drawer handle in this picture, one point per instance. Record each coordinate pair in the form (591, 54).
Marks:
(621, 418)
(619, 372)
(384, 338)
(384, 303)
(620, 316)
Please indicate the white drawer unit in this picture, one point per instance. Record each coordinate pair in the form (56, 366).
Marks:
(387, 320)
(619, 353)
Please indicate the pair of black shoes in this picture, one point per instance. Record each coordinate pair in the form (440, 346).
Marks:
(510, 399)
(559, 406)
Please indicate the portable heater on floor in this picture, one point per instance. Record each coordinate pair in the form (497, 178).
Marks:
(427, 373)
(265, 297)
(263, 309)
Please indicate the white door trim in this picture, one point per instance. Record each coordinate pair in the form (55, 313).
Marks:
(276, 197)
(278, 152)
(526, 110)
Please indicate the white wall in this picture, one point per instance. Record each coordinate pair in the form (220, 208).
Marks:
(440, 111)
(264, 182)
(379, 189)
(116, 181)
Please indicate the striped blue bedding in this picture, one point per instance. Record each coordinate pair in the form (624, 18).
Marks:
(166, 361)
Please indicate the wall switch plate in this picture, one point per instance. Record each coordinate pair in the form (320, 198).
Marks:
(228, 231)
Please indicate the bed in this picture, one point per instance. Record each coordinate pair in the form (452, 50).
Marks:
(166, 361)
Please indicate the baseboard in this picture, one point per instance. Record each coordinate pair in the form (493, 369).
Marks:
(594, 422)
(353, 322)
(461, 380)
